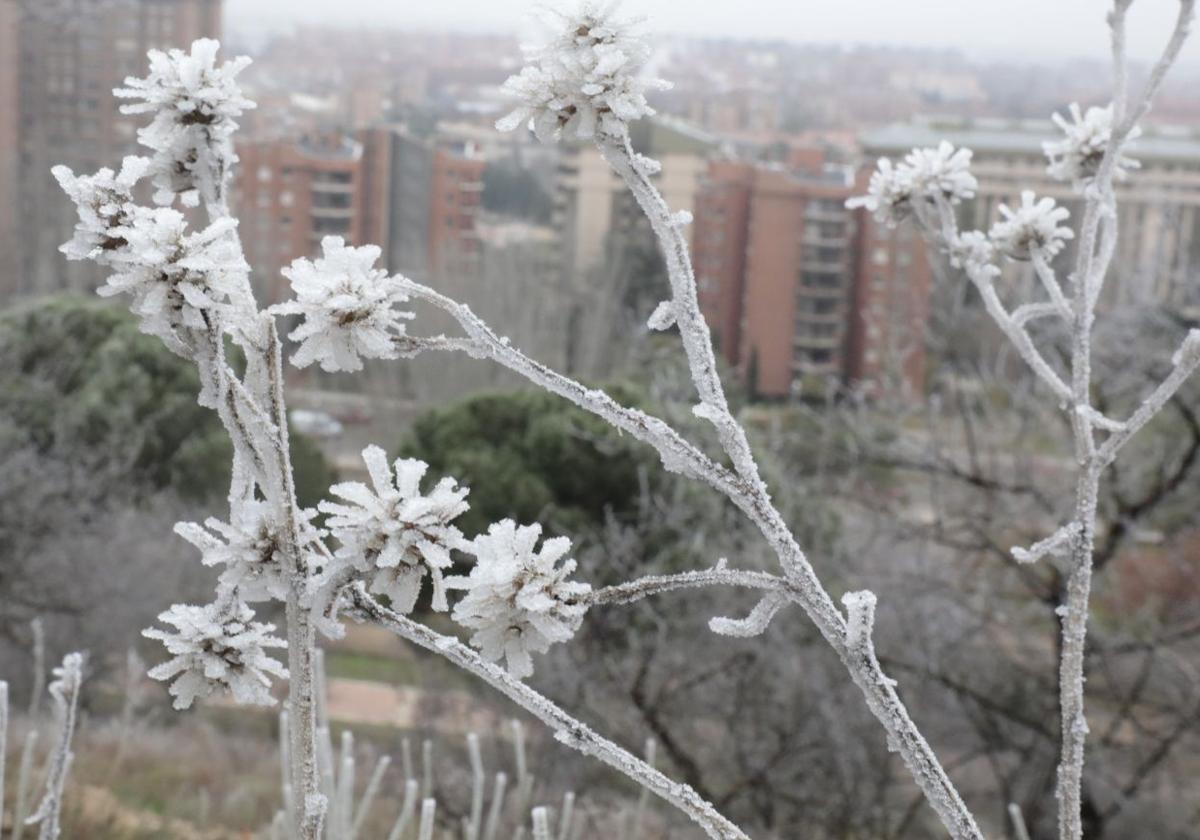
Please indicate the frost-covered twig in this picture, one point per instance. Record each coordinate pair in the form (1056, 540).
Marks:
(68, 678)
(3, 744)
(1057, 543)
(24, 783)
(639, 588)
(567, 729)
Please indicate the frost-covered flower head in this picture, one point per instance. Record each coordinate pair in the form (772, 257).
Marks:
(1032, 228)
(517, 602)
(1076, 157)
(250, 547)
(941, 172)
(102, 201)
(395, 532)
(194, 102)
(347, 307)
(217, 647)
(889, 193)
(174, 277)
(944, 171)
(585, 81)
(975, 254)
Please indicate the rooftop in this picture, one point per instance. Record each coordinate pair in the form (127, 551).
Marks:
(1000, 136)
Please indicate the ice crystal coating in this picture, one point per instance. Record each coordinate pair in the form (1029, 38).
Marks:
(517, 601)
(941, 172)
(1076, 157)
(585, 82)
(102, 201)
(395, 532)
(1032, 228)
(217, 647)
(174, 277)
(194, 102)
(944, 171)
(346, 304)
(975, 254)
(250, 547)
(889, 193)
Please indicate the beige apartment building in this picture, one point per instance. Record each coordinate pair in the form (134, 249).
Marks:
(1158, 253)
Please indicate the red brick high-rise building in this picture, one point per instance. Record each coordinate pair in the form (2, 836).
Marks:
(59, 61)
(798, 289)
(417, 198)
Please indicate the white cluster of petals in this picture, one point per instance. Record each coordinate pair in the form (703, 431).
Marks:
(103, 202)
(176, 278)
(194, 102)
(251, 548)
(974, 253)
(586, 82)
(217, 648)
(395, 533)
(517, 602)
(1034, 227)
(1076, 157)
(889, 193)
(942, 172)
(347, 307)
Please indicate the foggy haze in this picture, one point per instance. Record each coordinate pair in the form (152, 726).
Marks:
(1013, 29)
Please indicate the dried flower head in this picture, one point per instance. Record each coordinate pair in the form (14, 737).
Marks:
(943, 171)
(396, 533)
(1077, 156)
(194, 102)
(517, 602)
(103, 202)
(347, 306)
(1032, 228)
(889, 193)
(585, 82)
(217, 647)
(251, 548)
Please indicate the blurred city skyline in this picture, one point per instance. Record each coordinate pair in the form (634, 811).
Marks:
(1017, 29)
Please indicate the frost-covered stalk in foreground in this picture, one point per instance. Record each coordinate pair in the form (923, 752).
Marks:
(1091, 156)
(64, 690)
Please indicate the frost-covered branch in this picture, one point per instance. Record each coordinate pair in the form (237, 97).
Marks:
(639, 588)
(567, 729)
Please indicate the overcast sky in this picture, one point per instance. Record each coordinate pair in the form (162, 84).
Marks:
(989, 28)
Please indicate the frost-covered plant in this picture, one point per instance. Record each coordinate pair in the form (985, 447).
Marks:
(346, 304)
(193, 291)
(1077, 156)
(64, 691)
(217, 647)
(1091, 156)
(517, 601)
(194, 104)
(395, 533)
(586, 82)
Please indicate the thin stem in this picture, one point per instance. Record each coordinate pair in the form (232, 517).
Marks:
(567, 729)
(636, 590)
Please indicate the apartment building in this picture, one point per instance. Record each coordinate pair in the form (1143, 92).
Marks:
(799, 290)
(416, 197)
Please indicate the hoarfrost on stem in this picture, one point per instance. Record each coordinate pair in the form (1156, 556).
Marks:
(217, 647)
(347, 307)
(517, 602)
(396, 533)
